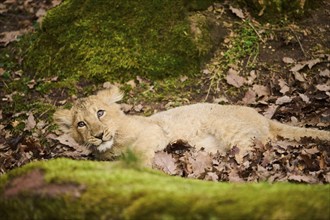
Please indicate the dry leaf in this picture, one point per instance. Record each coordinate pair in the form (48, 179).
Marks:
(250, 97)
(302, 178)
(287, 60)
(284, 87)
(294, 120)
(301, 65)
(304, 98)
(270, 111)
(200, 163)
(41, 12)
(206, 71)
(313, 150)
(30, 123)
(260, 90)
(327, 177)
(15, 123)
(252, 77)
(221, 99)
(165, 162)
(3, 8)
(11, 36)
(183, 78)
(298, 67)
(234, 177)
(298, 76)
(238, 12)
(54, 79)
(312, 63)
(138, 108)
(10, 1)
(126, 107)
(31, 84)
(211, 176)
(65, 139)
(324, 73)
(140, 80)
(283, 100)
(323, 87)
(234, 79)
(56, 2)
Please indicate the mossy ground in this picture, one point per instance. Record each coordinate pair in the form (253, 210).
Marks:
(107, 40)
(112, 191)
(81, 45)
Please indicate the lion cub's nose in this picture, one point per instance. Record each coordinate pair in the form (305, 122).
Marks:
(99, 136)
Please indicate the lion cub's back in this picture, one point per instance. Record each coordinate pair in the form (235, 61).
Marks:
(207, 113)
(213, 127)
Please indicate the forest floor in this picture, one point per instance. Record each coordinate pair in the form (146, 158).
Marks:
(282, 70)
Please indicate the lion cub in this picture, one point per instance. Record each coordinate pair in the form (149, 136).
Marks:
(98, 122)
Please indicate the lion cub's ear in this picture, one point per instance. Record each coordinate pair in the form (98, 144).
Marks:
(110, 95)
(63, 118)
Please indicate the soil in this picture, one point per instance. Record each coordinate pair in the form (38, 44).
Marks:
(289, 83)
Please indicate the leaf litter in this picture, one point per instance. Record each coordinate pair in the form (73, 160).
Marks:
(281, 160)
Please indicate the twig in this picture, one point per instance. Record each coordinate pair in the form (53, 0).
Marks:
(209, 89)
(297, 38)
(5, 84)
(251, 25)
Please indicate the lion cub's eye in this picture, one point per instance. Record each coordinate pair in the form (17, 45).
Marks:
(81, 124)
(100, 113)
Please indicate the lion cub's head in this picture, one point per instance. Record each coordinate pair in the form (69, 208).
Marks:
(92, 120)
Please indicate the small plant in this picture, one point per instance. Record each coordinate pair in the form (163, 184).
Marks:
(244, 45)
(242, 51)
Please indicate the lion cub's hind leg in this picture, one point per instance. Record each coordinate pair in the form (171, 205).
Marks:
(241, 135)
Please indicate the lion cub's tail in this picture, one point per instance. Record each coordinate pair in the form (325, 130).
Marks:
(296, 133)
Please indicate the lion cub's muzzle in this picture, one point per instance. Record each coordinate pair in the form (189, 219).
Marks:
(99, 136)
(102, 141)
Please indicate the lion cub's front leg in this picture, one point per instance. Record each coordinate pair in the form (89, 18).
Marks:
(145, 148)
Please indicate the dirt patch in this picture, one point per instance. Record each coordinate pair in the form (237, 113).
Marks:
(34, 183)
(17, 17)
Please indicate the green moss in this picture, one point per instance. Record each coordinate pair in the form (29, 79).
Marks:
(85, 43)
(106, 40)
(113, 191)
(201, 33)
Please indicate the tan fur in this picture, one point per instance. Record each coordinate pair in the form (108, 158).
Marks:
(211, 126)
